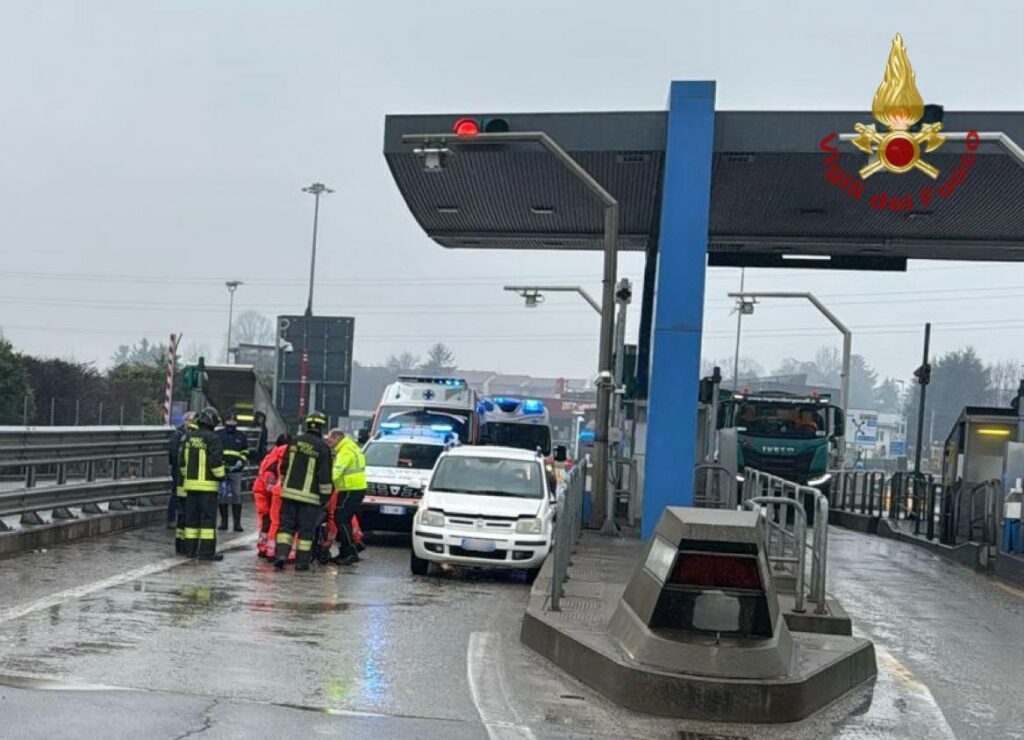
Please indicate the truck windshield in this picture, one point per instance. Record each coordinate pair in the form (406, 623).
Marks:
(489, 477)
(402, 455)
(420, 416)
(520, 436)
(793, 421)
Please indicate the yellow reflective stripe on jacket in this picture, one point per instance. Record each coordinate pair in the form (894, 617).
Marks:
(235, 453)
(218, 472)
(306, 497)
(202, 486)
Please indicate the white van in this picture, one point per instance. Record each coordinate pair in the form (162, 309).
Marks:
(486, 507)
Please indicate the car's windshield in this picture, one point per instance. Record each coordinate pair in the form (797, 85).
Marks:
(793, 421)
(402, 455)
(489, 476)
(520, 436)
(418, 416)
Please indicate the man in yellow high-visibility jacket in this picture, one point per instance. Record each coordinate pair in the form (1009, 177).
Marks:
(349, 476)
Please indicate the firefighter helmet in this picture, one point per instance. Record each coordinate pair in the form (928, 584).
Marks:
(208, 418)
(316, 421)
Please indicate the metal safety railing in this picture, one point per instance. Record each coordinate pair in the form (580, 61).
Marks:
(784, 505)
(714, 487)
(57, 468)
(568, 527)
(963, 513)
(979, 522)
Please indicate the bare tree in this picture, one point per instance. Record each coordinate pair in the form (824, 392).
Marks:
(440, 359)
(402, 363)
(1004, 379)
(192, 352)
(252, 327)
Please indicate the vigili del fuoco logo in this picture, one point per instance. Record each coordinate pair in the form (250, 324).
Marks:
(899, 147)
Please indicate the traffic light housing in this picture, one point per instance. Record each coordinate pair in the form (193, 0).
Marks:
(469, 126)
(924, 374)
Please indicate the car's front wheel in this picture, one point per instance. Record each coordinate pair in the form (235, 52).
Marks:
(418, 566)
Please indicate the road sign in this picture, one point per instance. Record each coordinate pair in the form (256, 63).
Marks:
(327, 341)
(862, 428)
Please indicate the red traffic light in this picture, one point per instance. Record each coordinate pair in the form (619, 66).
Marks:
(466, 127)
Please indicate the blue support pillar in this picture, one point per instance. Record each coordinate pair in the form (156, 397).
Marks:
(679, 303)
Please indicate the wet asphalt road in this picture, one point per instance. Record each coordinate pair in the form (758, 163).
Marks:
(105, 639)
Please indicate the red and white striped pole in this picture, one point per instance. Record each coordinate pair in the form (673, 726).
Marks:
(172, 358)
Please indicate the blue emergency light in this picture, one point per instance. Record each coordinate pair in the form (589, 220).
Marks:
(533, 406)
(390, 425)
(441, 428)
(587, 436)
(508, 405)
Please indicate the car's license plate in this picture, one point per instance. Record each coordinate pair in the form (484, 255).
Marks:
(479, 545)
(399, 510)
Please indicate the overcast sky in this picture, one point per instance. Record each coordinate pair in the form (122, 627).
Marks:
(153, 150)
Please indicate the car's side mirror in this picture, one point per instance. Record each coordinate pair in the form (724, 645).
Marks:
(363, 436)
(561, 455)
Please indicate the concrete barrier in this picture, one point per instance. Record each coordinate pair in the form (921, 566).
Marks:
(59, 531)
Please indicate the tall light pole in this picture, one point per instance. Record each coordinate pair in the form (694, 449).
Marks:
(232, 286)
(742, 307)
(433, 151)
(844, 378)
(316, 189)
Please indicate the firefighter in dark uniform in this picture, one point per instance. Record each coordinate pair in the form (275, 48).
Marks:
(236, 456)
(202, 471)
(178, 476)
(305, 491)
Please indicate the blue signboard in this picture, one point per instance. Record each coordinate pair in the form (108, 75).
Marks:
(898, 447)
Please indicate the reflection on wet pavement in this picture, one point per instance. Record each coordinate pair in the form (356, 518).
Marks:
(375, 639)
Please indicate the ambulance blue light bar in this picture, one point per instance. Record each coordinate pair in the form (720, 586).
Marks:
(450, 382)
(390, 425)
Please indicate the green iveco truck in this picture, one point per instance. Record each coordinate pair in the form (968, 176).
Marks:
(793, 437)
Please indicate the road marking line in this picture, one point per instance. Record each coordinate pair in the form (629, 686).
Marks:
(903, 675)
(489, 691)
(78, 592)
(1008, 589)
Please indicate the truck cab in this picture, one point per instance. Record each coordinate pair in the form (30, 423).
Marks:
(793, 437)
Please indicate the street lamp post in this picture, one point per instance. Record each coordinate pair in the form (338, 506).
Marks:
(434, 153)
(232, 286)
(844, 391)
(316, 189)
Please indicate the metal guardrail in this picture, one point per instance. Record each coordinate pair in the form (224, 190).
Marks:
(56, 468)
(568, 527)
(782, 496)
(983, 522)
(776, 546)
(957, 515)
